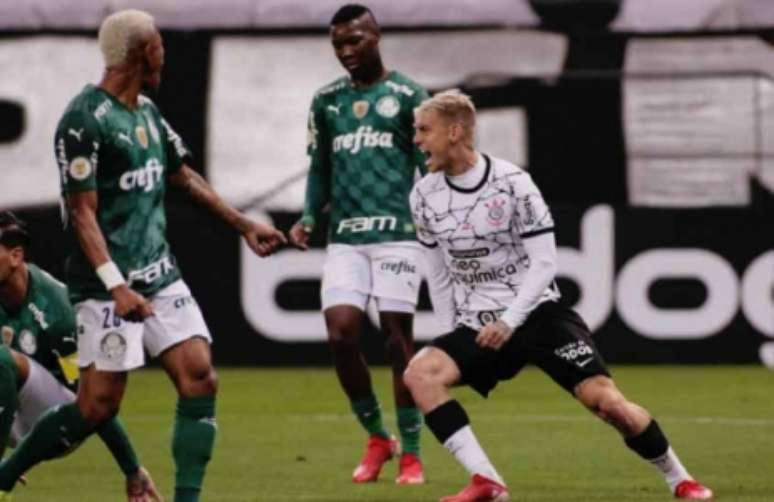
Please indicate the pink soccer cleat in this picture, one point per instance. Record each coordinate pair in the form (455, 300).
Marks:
(411, 472)
(378, 452)
(691, 489)
(480, 489)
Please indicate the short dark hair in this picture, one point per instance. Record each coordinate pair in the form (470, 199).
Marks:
(13, 231)
(350, 11)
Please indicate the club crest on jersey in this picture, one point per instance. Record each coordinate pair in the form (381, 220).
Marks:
(360, 108)
(113, 345)
(142, 136)
(388, 106)
(495, 214)
(79, 168)
(27, 342)
(7, 335)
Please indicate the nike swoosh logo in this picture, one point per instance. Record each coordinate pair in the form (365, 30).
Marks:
(583, 363)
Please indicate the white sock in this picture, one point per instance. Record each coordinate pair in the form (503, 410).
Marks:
(466, 449)
(670, 466)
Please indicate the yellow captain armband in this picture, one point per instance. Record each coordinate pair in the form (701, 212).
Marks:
(69, 365)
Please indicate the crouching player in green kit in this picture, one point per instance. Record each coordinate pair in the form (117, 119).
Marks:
(37, 324)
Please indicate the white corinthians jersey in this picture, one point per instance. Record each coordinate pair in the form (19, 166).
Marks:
(480, 232)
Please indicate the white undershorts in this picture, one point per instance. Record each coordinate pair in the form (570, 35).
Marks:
(40, 392)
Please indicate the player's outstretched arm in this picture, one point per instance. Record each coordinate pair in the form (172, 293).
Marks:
(263, 239)
(83, 214)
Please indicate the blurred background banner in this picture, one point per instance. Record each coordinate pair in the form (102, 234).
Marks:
(648, 125)
(621, 15)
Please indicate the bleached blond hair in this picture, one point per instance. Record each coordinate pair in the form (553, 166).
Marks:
(123, 31)
(453, 106)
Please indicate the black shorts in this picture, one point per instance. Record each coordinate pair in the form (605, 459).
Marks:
(554, 338)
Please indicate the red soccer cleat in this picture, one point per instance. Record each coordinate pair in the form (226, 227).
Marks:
(480, 489)
(411, 472)
(378, 452)
(691, 489)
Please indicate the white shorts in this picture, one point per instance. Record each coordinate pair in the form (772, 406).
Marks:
(388, 272)
(40, 392)
(112, 344)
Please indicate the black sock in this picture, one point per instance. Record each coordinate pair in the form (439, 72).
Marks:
(446, 419)
(651, 443)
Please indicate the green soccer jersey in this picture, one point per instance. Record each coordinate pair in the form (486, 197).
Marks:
(363, 160)
(125, 156)
(44, 327)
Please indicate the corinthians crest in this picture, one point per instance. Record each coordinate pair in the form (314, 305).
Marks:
(496, 214)
(360, 108)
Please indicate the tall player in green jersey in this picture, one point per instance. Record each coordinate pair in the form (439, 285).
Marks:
(116, 154)
(37, 323)
(363, 166)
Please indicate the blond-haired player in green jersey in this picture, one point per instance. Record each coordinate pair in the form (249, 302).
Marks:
(116, 154)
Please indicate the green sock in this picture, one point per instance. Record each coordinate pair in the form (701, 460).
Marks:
(409, 425)
(187, 494)
(192, 442)
(115, 438)
(369, 414)
(57, 431)
(9, 395)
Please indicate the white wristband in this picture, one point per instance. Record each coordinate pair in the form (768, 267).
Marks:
(110, 275)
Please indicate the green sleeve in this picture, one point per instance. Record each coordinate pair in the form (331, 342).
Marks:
(76, 146)
(318, 183)
(176, 149)
(64, 334)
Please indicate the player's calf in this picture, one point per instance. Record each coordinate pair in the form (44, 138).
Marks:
(642, 434)
(601, 396)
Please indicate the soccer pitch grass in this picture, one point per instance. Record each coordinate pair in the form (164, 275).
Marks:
(287, 435)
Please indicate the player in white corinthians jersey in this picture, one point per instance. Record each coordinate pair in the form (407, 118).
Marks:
(492, 262)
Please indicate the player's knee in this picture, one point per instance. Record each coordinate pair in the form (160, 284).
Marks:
(202, 381)
(420, 374)
(599, 395)
(342, 339)
(100, 409)
(209, 382)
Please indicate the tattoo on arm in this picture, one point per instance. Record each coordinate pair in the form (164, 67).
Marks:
(202, 192)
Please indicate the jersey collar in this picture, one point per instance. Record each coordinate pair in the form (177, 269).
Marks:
(480, 184)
